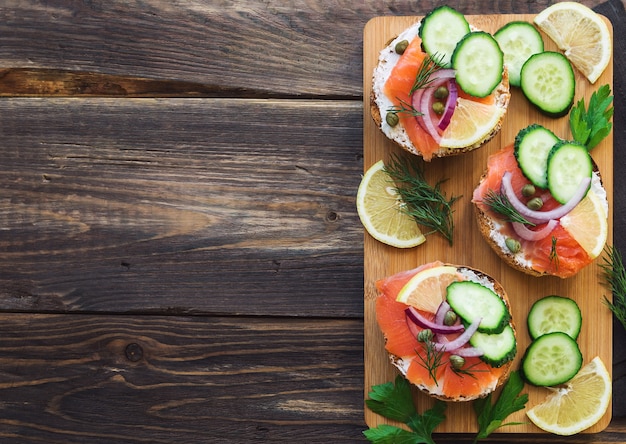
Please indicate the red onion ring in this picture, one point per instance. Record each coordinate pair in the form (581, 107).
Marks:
(531, 235)
(543, 216)
(461, 340)
(444, 307)
(422, 99)
(416, 317)
(416, 99)
(453, 95)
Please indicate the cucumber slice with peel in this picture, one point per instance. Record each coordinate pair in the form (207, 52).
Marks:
(471, 301)
(440, 31)
(551, 359)
(568, 164)
(498, 349)
(518, 40)
(532, 147)
(547, 80)
(554, 313)
(479, 63)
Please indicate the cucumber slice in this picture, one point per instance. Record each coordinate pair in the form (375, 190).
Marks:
(498, 348)
(532, 147)
(518, 41)
(440, 31)
(554, 313)
(471, 300)
(568, 164)
(551, 359)
(479, 62)
(547, 81)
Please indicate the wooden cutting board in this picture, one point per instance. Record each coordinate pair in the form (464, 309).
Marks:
(469, 247)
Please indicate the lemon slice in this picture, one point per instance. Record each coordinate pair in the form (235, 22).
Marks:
(427, 289)
(581, 34)
(576, 405)
(380, 209)
(471, 123)
(587, 223)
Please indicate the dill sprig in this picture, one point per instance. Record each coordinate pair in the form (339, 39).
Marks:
(615, 277)
(428, 67)
(554, 255)
(405, 108)
(499, 203)
(427, 204)
(432, 360)
(469, 371)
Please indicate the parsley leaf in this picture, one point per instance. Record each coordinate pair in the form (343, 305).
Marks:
(492, 416)
(589, 126)
(395, 401)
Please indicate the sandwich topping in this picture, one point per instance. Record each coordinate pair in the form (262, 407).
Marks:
(542, 197)
(440, 92)
(448, 329)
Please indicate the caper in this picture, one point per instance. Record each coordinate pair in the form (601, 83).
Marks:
(535, 203)
(392, 119)
(512, 244)
(401, 46)
(441, 93)
(528, 190)
(425, 335)
(438, 108)
(450, 318)
(457, 362)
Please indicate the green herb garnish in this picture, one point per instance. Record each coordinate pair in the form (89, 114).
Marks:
(429, 66)
(427, 204)
(615, 276)
(499, 203)
(422, 79)
(492, 416)
(395, 401)
(405, 108)
(554, 255)
(589, 126)
(432, 359)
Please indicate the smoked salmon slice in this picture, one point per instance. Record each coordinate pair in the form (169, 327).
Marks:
(397, 88)
(562, 256)
(475, 379)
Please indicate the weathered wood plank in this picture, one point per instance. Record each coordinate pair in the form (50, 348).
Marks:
(127, 379)
(308, 47)
(181, 205)
(121, 379)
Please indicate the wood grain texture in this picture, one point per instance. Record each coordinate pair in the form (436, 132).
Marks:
(308, 47)
(123, 379)
(219, 235)
(160, 205)
(154, 379)
(464, 172)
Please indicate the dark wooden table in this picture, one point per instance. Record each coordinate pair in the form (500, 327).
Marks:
(180, 255)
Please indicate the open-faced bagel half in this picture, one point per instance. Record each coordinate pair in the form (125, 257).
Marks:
(380, 104)
(477, 378)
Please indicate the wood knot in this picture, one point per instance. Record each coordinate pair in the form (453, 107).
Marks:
(134, 352)
(332, 216)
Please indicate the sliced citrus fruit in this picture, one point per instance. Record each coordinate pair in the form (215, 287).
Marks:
(380, 209)
(576, 405)
(471, 123)
(581, 34)
(427, 289)
(587, 224)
